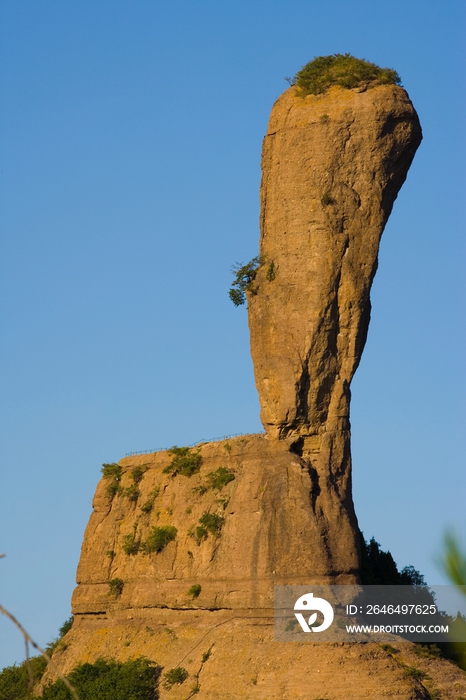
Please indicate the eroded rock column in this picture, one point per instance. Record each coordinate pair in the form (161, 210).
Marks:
(332, 166)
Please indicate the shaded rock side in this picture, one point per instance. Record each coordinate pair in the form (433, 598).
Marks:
(332, 166)
(271, 530)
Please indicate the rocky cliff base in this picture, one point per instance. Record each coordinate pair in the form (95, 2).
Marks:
(229, 657)
(205, 601)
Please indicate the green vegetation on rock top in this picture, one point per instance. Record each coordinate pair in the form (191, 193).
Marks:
(342, 69)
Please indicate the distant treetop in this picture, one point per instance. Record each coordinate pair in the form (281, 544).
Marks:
(342, 69)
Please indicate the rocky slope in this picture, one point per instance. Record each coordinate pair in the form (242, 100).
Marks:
(230, 657)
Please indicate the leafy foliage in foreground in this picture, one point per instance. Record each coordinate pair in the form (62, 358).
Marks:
(454, 565)
(454, 561)
(342, 69)
(14, 680)
(136, 679)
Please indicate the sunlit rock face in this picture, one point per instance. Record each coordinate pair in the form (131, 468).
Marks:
(332, 166)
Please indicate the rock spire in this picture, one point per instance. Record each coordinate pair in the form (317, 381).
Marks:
(332, 166)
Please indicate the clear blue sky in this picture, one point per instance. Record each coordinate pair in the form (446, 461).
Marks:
(130, 167)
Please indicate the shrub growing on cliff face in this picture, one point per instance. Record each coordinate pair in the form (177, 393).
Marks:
(174, 675)
(209, 522)
(215, 480)
(220, 478)
(244, 278)
(113, 473)
(342, 69)
(327, 199)
(149, 504)
(184, 462)
(194, 591)
(132, 493)
(115, 587)
(137, 473)
(212, 522)
(158, 538)
(271, 272)
(66, 626)
(131, 544)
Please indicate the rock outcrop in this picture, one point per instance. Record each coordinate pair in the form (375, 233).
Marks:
(268, 533)
(282, 511)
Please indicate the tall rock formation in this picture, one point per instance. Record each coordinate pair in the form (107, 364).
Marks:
(332, 166)
(203, 599)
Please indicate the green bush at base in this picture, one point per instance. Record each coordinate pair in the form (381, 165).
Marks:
(14, 680)
(109, 680)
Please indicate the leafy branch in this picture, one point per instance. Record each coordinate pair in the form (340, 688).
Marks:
(244, 279)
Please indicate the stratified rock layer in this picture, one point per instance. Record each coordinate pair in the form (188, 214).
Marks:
(272, 530)
(332, 166)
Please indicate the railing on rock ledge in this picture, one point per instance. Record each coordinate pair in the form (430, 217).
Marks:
(195, 444)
